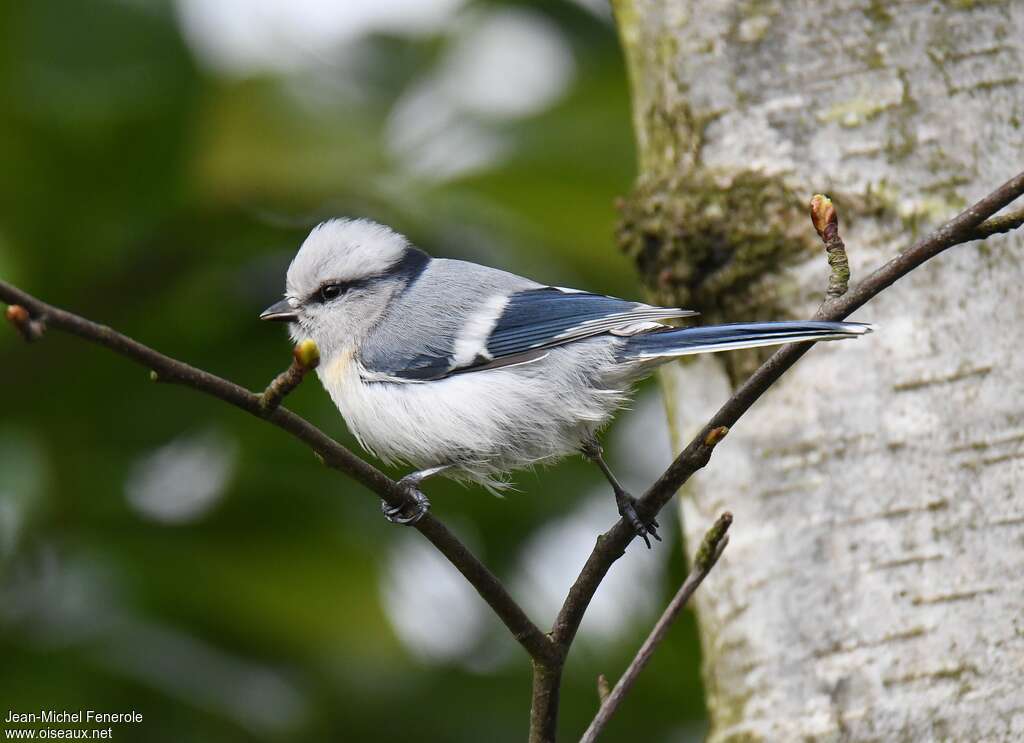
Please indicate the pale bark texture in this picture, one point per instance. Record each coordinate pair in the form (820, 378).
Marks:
(874, 589)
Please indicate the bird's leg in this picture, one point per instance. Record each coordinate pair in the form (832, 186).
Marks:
(625, 502)
(419, 503)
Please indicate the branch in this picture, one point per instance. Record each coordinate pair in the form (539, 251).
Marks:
(969, 225)
(711, 548)
(24, 310)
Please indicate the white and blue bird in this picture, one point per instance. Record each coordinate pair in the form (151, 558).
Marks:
(471, 372)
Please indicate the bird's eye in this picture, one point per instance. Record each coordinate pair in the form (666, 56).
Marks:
(330, 291)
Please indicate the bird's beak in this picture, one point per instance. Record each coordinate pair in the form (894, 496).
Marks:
(280, 312)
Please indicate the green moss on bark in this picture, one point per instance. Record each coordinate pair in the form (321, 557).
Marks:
(718, 243)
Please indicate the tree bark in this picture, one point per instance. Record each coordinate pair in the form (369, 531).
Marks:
(873, 589)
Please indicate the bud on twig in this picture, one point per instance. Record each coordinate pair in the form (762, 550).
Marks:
(17, 314)
(714, 542)
(31, 329)
(823, 215)
(307, 354)
(826, 223)
(715, 435)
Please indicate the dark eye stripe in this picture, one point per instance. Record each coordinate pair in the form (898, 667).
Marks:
(333, 289)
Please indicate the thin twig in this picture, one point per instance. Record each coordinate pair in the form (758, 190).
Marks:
(998, 225)
(826, 223)
(333, 454)
(305, 358)
(711, 548)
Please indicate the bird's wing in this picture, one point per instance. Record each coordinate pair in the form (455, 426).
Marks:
(517, 327)
(551, 316)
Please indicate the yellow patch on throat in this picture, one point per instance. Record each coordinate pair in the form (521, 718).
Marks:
(337, 371)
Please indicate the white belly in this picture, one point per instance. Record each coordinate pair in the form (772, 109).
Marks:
(487, 423)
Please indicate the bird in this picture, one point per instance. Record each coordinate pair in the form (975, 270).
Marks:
(469, 372)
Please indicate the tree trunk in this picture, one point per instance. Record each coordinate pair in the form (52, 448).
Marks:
(873, 587)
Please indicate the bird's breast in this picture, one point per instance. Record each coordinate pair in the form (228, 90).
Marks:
(363, 405)
(337, 371)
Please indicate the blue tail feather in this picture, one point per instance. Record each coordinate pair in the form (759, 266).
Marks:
(711, 338)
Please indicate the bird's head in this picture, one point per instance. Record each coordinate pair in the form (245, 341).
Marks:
(342, 281)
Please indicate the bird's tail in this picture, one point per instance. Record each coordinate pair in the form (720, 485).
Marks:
(712, 338)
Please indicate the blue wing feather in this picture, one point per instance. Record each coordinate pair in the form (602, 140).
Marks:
(539, 318)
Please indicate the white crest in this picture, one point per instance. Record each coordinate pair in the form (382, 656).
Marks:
(344, 250)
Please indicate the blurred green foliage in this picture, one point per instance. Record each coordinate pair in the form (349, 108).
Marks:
(145, 190)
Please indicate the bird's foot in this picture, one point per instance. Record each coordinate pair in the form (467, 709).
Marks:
(627, 509)
(414, 509)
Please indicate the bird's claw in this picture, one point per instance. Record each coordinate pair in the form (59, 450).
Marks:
(410, 512)
(627, 509)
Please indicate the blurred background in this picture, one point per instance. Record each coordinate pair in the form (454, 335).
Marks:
(160, 163)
